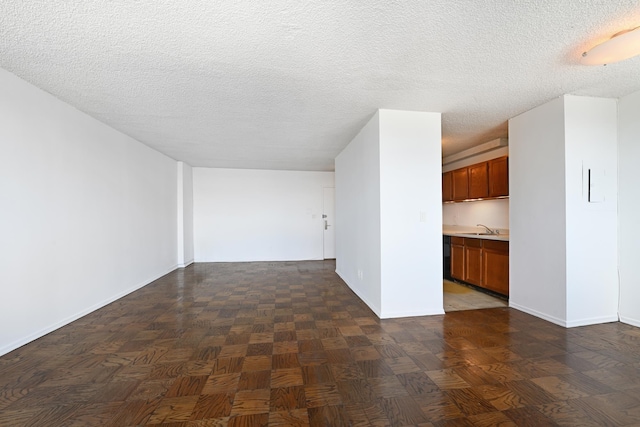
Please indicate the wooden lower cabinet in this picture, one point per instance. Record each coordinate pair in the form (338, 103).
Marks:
(473, 261)
(495, 266)
(457, 258)
(483, 263)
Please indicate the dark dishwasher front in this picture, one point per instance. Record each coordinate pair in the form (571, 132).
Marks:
(446, 257)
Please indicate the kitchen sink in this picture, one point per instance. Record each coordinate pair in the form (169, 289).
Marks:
(481, 234)
(470, 233)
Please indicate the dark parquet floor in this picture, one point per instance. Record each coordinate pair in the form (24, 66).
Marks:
(288, 344)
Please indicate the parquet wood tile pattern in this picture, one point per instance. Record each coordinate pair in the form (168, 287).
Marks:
(288, 344)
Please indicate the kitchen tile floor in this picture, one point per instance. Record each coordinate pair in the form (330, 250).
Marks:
(459, 297)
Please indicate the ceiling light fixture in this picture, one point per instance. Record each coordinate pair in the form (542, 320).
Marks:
(622, 45)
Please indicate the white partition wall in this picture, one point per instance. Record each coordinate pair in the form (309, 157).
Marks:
(389, 215)
(410, 213)
(537, 226)
(591, 169)
(88, 214)
(629, 207)
(358, 260)
(185, 215)
(563, 197)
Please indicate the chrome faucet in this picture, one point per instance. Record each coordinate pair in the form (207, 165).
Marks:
(489, 231)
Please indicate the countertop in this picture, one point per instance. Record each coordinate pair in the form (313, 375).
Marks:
(472, 232)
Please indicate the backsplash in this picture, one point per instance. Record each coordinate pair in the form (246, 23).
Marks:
(492, 213)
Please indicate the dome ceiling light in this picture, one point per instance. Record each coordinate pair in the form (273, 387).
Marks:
(620, 46)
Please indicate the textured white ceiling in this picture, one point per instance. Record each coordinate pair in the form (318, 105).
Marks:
(287, 84)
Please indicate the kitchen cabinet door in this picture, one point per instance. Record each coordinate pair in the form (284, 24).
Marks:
(473, 261)
(499, 177)
(495, 266)
(478, 181)
(460, 181)
(447, 186)
(457, 258)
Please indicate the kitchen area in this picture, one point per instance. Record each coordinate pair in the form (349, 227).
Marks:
(475, 229)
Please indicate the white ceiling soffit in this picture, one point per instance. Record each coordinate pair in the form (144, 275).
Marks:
(287, 84)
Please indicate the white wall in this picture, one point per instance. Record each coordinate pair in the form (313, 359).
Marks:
(563, 249)
(410, 213)
(185, 214)
(88, 214)
(358, 215)
(537, 243)
(492, 213)
(258, 215)
(629, 207)
(388, 214)
(592, 260)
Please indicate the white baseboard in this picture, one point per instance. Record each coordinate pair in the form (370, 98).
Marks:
(396, 315)
(186, 264)
(630, 321)
(373, 307)
(44, 331)
(391, 315)
(592, 321)
(239, 260)
(565, 323)
(538, 314)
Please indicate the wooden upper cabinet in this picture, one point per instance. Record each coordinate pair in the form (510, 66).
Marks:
(499, 177)
(478, 181)
(447, 186)
(460, 181)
